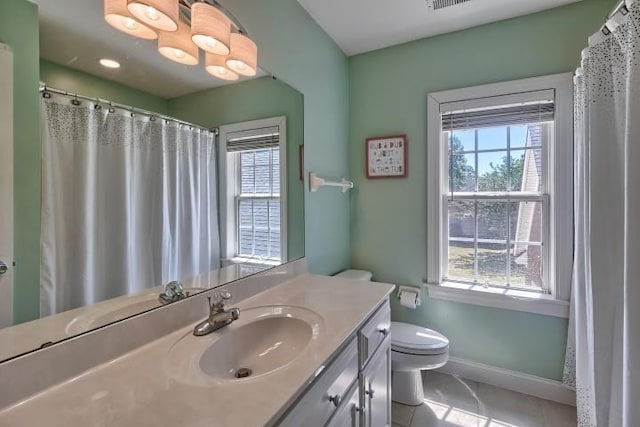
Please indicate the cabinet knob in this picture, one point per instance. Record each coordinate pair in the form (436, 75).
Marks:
(3, 267)
(369, 392)
(358, 409)
(384, 331)
(335, 399)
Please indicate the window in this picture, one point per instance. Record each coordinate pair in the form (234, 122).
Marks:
(258, 203)
(499, 191)
(254, 217)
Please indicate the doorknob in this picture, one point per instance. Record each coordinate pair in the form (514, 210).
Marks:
(3, 267)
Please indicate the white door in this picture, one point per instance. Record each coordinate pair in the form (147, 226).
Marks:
(6, 186)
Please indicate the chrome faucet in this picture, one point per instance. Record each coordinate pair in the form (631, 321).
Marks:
(218, 316)
(173, 291)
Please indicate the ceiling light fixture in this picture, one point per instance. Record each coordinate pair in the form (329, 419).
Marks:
(162, 15)
(210, 29)
(243, 56)
(178, 46)
(216, 66)
(109, 63)
(183, 26)
(119, 17)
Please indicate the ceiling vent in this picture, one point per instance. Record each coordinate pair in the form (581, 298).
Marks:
(441, 4)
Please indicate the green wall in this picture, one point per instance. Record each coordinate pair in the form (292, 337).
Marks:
(74, 81)
(252, 100)
(388, 96)
(294, 48)
(19, 29)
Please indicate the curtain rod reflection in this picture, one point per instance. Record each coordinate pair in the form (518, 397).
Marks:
(47, 91)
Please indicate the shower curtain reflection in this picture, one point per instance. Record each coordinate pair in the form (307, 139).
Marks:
(129, 203)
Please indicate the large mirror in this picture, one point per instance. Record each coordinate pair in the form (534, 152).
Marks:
(158, 180)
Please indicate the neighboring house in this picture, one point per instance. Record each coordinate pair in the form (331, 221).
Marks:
(529, 225)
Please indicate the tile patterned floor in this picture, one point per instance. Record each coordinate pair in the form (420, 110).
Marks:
(456, 402)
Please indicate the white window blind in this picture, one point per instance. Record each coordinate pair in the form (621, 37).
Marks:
(539, 112)
(254, 139)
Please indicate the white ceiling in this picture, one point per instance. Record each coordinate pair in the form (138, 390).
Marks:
(74, 33)
(359, 26)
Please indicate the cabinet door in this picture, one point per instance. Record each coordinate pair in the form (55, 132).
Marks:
(323, 399)
(377, 388)
(348, 415)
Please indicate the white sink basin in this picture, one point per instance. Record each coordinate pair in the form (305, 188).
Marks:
(263, 340)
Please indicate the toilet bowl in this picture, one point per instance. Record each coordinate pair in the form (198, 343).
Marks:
(413, 349)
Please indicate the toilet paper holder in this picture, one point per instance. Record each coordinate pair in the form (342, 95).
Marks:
(411, 289)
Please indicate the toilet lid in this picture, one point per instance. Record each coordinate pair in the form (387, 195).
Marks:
(413, 339)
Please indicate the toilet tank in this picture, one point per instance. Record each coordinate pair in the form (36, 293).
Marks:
(355, 275)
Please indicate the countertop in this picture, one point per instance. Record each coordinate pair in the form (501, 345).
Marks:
(25, 337)
(142, 389)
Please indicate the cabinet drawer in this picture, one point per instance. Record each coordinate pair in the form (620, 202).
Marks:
(330, 389)
(348, 414)
(374, 332)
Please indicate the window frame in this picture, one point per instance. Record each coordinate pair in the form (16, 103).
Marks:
(230, 191)
(559, 179)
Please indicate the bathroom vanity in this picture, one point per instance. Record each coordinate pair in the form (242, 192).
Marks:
(355, 388)
(311, 350)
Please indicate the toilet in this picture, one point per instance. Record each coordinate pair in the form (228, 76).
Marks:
(413, 349)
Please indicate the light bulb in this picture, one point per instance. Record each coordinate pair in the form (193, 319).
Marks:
(151, 13)
(130, 23)
(237, 65)
(210, 42)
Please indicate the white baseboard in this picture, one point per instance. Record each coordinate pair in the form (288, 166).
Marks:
(510, 380)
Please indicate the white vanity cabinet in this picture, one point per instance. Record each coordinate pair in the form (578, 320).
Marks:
(327, 395)
(354, 390)
(375, 386)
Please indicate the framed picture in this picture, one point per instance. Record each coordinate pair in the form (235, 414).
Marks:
(387, 157)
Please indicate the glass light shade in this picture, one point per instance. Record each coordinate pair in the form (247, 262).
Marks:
(162, 15)
(178, 46)
(216, 66)
(210, 29)
(243, 58)
(117, 15)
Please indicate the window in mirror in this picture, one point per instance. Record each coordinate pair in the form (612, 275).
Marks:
(253, 223)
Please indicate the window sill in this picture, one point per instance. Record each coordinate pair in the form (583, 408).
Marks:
(254, 261)
(499, 298)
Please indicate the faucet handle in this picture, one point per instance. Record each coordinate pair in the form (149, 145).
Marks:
(174, 288)
(217, 300)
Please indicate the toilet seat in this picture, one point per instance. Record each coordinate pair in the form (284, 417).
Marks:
(416, 340)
